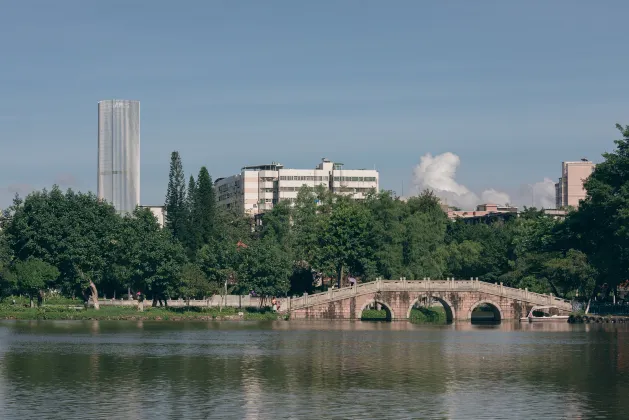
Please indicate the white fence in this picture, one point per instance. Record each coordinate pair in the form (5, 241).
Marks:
(234, 301)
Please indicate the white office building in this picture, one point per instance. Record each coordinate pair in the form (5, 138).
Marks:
(257, 188)
(119, 153)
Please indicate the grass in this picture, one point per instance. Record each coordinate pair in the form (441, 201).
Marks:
(62, 312)
(432, 315)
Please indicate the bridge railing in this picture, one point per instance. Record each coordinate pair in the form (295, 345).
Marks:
(427, 286)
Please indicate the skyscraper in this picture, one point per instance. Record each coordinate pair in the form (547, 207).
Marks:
(119, 153)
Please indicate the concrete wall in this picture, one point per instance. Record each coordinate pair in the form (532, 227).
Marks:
(215, 301)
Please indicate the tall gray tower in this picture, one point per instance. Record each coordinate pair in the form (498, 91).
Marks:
(119, 153)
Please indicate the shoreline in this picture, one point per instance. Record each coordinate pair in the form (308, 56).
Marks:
(150, 313)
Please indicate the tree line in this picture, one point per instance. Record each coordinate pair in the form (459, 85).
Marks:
(76, 244)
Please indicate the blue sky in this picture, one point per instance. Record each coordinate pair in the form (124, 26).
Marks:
(511, 87)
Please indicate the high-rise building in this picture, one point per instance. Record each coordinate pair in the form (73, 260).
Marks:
(119, 153)
(569, 190)
(256, 189)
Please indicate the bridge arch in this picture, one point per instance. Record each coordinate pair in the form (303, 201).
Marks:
(495, 308)
(447, 306)
(386, 306)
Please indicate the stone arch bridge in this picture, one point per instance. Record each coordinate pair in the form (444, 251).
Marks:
(458, 297)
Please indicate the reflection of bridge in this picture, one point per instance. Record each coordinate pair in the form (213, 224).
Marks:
(458, 297)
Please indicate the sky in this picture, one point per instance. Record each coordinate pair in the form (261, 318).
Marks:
(500, 92)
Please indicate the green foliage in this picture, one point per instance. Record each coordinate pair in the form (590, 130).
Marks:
(34, 275)
(343, 238)
(600, 228)
(432, 315)
(265, 269)
(176, 211)
(72, 231)
(194, 283)
(204, 210)
(374, 315)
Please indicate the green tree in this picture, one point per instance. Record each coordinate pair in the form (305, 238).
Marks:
(190, 239)
(204, 212)
(220, 261)
(7, 282)
(73, 231)
(194, 283)
(344, 240)
(153, 257)
(265, 269)
(175, 204)
(463, 259)
(387, 234)
(276, 225)
(33, 276)
(600, 227)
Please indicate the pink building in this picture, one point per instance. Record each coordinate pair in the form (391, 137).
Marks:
(481, 210)
(569, 190)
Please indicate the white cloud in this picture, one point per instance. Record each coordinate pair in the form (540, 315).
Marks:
(438, 173)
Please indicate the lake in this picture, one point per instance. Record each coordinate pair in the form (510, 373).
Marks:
(311, 370)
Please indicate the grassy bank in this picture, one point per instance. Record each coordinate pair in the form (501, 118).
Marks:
(432, 315)
(62, 312)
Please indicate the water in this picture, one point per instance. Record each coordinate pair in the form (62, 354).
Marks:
(311, 370)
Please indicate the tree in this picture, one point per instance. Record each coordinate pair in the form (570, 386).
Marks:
(265, 269)
(276, 225)
(343, 240)
(6, 259)
(600, 228)
(305, 227)
(33, 276)
(194, 283)
(220, 261)
(73, 231)
(155, 259)
(204, 212)
(190, 238)
(175, 204)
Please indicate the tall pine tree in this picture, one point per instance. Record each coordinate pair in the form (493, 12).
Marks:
(176, 198)
(191, 242)
(204, 211)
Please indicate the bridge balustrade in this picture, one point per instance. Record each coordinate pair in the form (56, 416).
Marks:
(425, 285)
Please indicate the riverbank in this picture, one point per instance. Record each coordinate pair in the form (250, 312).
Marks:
(114, 313)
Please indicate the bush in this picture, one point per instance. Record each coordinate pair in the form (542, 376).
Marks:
(436, 315)
(374, 315)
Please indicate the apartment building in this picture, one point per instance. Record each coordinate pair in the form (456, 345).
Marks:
(257, 188)
(569, 190)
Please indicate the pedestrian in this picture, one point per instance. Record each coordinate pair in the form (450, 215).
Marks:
(352, 281)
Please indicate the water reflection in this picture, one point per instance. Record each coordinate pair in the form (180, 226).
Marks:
(311, 370)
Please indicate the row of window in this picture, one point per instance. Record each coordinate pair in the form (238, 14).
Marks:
(304, 178)
(353, 190)
(356, 178)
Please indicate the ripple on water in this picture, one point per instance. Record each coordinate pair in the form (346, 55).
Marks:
(310, 370)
